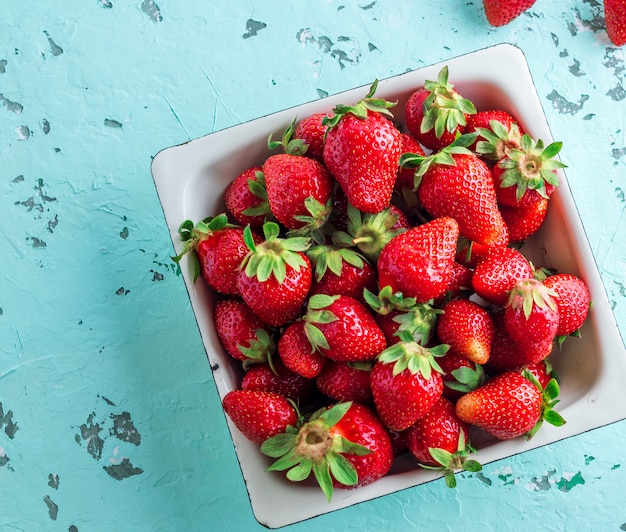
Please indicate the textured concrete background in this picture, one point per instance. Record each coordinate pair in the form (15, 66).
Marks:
(109, 417)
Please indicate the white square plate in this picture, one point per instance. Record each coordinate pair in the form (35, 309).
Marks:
(191, 178)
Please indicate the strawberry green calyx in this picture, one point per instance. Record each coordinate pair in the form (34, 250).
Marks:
(331, 258)
(549, 398)
(315, 222)
(274, 254)
(529, 292)
(409, 354)
(258, 189)
(531, 166)
(192, 234)
(450, 463)
(318, 313)
(499, 140)
(466, 379)
(290, 145)
(444, 108)
(361, 108)
(387, 301)
(314, 448)
(260, 350)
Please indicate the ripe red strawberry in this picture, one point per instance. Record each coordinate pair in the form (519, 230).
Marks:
(406, 176)
(510, 405)
(343, 329)
(496, 274)
(419, 262)
(615, 18)
(531, 317)
(439, 441)
(573, 300)
(467, 328)
(312, 131)
(259, 415)
(298, 187)
(506, 354)
(345, 446)
(297, 353)
(498, 132)
(523, 222)
(244, 336)
(217, 249)
(455, 182)
(470, 253)
(501, 12)
(542, 371)
(528, 173)
(275, 276)
(406, 382)
(436, 112)
(362, 150)
(460, 284)
(346, 381)
(276, 378)
(460, 375)
(246, 198)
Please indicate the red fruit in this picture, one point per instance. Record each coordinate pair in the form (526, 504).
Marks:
(406, 382)
(406, 176)
(297, 353)
(460, 375)
(460, 284)
(439, 441)
(531, 317)
(346, 381)
(495, 276)
(542, 371)
(467, 328)
(498, 132)
(246, 198)
(510, 405)
(436, 112)
(346, 446)
(615, 18)
(259, 415)
(419, 262)
(343, 329)
(275, 276)
(362, 151)
(278, 379)
(501, 12)
(456, 183)
(523, 222)
(244, 336)
(506, 354)
(572, 299)
(311, 130)
(470, 253)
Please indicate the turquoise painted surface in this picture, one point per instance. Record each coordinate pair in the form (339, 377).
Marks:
(109, 416)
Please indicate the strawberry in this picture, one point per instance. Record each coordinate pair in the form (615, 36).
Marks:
(615, 18)
(312, 131)
(406, 176)
(259, 415)
(406, 382)
(346, 381)
(217, 249)
(460, 375)
(528, 173)
(298, 187)
(419, 262)
(572, 299)
(246, 198)
(436, 112)
(501, 12)
(523, 222)
(460, 284)
(498, 132)
(244, 336)
(362, 150)
(275, 276)
(496, 274)
(342, 329)
(510, 405)
(297, 353)
(276, 378)
(345, 446)
(542, 371)
(467, 328)
(439, 441)
(531, 317)
(506, 354)
(455, 182)
(470, 253)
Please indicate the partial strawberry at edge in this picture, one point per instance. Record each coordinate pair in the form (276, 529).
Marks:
(501, 12)
(615, 18)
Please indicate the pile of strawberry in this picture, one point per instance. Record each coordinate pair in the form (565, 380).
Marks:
(371, 286)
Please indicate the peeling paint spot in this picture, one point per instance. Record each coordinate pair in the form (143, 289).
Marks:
(326, 45)
(108, 122)
(618, 153)
(567, 483)
(53, 223)
(107, 401)
(53, 481)
(90, 432)
(124, 429)
(368, 6)
(543, 483)
(106, 4)
(371, 47)
(121, 291)
(623, 527)
(3, 64)
(555, 39)
(18, 179)
(36, 242)
(4, 459)
(575, 69)
(564, 106)
(253, 27)
(55, 49)
(123, 470)
(617, 93)
(53, 509)
(45, 126)
(14, 107)
(616, 466)
(620, 194)
(589, 459)
(38, 201)
(6, 421)
(484, 479)
(156, 276)
(124, 233)
(322, 93)
(152, 10)
(23, 133)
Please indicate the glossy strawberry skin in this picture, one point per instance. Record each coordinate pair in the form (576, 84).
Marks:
(297, 353)
(312, 131)
(406, 176)
(238, 197)
(280, 380)
(440, 428)
(351, 282)
(615, 17)
(572, 299)
(501, 12)
(506, 406)
(345, 381)
(451, 362)
(523, 222)
(482, 119)
(419, 262)
(259, 415)
(404, 398)
(363, 157)
(465, 192)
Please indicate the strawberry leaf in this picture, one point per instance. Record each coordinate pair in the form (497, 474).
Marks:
(301, 471)
(321, 470)
(342, 469)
